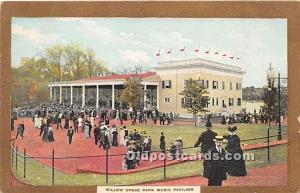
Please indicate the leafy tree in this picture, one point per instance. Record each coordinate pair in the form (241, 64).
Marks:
(74, 67)
(270, 98)
(133, 92)
(58, 63)
(196, 97)
(54, 58)
(94, 67)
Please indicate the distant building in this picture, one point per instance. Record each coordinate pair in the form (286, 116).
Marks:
(223, 82)
(253, 99)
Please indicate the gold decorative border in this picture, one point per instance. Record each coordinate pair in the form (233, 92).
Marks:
(187, 9)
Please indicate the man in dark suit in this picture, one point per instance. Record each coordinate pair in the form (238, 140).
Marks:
(206, 140)
(96, 134)
(216, 164)
(70, 134)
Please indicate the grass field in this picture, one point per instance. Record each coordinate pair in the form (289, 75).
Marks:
(39, 174)
(190, 134)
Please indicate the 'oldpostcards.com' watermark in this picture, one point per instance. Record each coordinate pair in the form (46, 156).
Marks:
(190, 156)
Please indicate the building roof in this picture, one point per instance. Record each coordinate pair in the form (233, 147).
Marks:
(199, 63)
(116, 79)
(121, 76)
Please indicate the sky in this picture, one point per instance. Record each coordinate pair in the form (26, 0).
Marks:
(125, 42)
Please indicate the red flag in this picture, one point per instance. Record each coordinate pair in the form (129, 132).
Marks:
(158, 53)
(224, 55)
(181, 50)
(169, 52)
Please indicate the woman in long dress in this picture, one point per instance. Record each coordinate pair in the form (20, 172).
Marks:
(235, 167)
(121, 136)
(114, 133)
(86, 130)
(80, 123)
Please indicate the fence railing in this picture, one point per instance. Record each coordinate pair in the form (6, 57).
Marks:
(20, 160)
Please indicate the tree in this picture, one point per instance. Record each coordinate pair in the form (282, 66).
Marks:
(94, 67)
(54, 57)
(196, 97)
(133, 92)
(57, 63)
(270, 99)
(74, 66)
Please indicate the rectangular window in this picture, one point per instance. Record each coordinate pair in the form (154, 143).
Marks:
(212, 101)
(166, 84)
(239, 101)
(230, 101)
(223, 85)
(182, 102)
(186, 82)
(237, 86)
(167, 100)
(217, 101)
(204, 83)
(186, 102)
(215, 84)
(230, 86)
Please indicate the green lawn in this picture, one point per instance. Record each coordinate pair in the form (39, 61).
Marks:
(190, 134)
(39, 174)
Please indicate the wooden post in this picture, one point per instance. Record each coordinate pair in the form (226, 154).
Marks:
(165, 169)
(106, 172)
(53, 167)
(17, 158)
(12, 154)
(24, 166)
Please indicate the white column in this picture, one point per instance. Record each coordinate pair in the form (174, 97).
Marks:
(157, 97)
(71, 95)
(51, 97)
(83, 96)
(97, 96)
(60, 94)
(113, 96)
(145, 96)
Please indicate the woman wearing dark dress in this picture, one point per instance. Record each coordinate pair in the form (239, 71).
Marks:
(67, 120)
(50, 134)
(235, 167)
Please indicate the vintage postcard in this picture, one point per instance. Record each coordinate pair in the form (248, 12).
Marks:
(148, 104)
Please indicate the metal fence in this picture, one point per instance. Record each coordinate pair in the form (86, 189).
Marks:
(20, 161)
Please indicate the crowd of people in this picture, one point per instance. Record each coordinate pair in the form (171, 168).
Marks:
(90, 120)
(250, 118)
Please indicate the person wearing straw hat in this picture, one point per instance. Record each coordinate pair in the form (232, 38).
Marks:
(235, 166)
(216, 163)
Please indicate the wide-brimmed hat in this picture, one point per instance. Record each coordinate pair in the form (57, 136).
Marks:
(232, 129)
(219, 138)
(208, 124)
